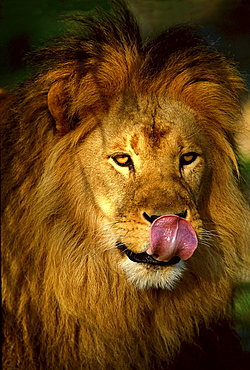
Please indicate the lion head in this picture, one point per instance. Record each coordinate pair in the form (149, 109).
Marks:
(147, 159)
(122, 210)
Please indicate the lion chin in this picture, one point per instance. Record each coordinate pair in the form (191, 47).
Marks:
(147, 276)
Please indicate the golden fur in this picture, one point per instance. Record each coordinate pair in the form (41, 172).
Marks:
(72, 299)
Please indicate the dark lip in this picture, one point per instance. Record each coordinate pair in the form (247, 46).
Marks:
(146, 258)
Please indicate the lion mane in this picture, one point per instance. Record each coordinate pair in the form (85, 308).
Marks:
(72, 299)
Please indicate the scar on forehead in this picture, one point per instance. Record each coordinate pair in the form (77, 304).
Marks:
(156, 132)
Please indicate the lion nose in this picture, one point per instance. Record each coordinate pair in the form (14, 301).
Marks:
(152, 218)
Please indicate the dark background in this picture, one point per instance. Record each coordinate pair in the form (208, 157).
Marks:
(24, 24)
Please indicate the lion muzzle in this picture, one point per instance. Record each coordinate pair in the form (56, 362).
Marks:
(172, 238)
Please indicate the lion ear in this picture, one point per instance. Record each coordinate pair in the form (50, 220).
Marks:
(58, 105)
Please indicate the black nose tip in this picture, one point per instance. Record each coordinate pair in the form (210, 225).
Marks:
(152, 218)
(182, 214)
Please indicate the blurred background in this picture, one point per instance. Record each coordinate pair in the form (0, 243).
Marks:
(25, 24)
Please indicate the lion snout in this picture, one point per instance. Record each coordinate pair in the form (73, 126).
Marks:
(153, 217)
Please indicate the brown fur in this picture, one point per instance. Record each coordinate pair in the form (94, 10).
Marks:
(68, 299)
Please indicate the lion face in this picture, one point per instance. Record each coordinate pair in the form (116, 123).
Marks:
(144, 161)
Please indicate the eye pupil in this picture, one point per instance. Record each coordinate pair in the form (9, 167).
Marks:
(123, 160)
(188, 158)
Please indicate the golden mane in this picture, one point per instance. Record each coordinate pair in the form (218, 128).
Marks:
(63, 307)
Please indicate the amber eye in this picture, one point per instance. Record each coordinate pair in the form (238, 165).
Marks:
(188, 158)
(123, 160)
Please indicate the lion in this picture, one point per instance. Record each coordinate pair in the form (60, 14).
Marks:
(124, 229)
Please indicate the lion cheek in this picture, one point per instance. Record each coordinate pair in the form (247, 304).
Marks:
(106, 205)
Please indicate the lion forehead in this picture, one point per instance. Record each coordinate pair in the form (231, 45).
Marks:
(150, 125)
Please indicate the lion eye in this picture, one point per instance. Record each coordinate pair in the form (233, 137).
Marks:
(188, 158)
(123, 160)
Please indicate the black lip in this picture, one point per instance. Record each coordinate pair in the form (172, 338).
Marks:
(146, 258)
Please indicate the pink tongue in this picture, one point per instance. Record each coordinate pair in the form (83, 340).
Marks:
(172, 236)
